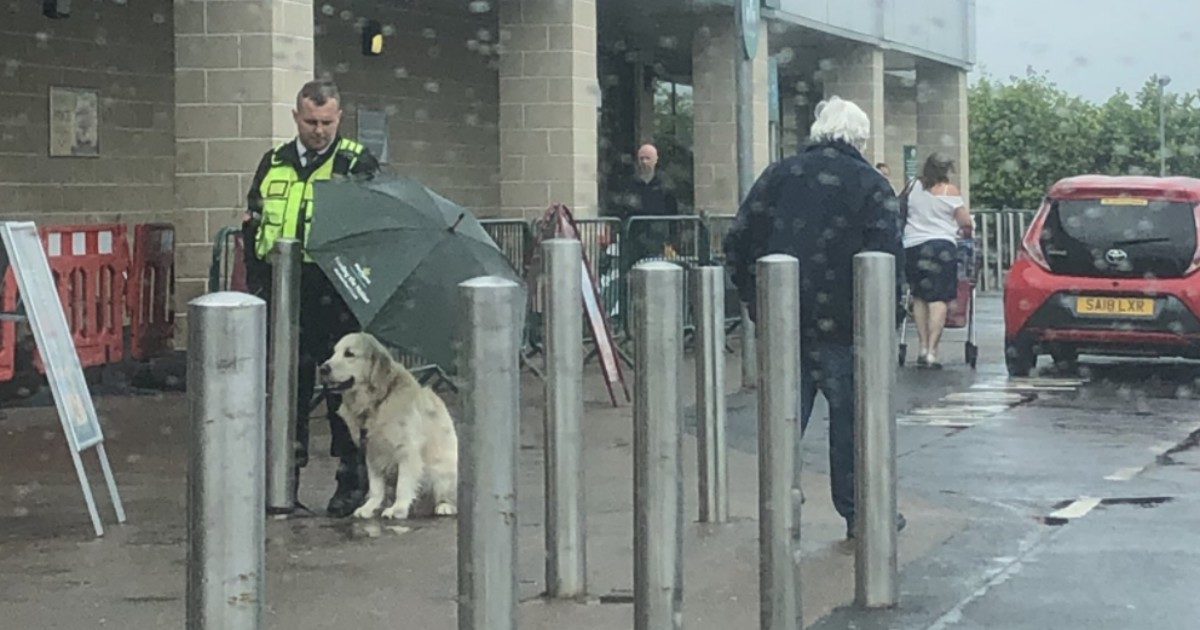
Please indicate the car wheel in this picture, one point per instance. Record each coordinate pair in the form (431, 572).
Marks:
(1019, 358)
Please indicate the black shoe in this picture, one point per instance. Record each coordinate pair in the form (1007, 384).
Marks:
(901, 523)
(343, 504)
(351, 490)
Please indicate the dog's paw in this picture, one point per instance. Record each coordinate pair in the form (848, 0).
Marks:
(364, 512)
(395, 513)
(445, 509)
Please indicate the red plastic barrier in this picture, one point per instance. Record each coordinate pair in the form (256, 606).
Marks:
(237, 277)
(151, 291)
(90, 265)
(8, 329)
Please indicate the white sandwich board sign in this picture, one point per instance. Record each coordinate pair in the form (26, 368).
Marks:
(63, 369)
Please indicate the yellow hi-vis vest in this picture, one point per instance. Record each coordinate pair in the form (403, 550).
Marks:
(288, 200)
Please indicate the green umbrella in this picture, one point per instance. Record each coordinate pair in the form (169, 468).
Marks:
(396, 252)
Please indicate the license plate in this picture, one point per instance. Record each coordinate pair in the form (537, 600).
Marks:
(1115, 306)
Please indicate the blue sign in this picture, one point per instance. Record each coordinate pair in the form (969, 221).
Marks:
(773, 103)
(750, 20)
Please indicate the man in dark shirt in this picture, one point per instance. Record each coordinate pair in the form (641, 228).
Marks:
(280, 205)
(647, 195)
(822, 206)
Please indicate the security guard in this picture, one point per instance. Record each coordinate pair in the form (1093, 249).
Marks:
(281, 206)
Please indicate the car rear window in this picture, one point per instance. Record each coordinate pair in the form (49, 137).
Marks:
(1120, 238)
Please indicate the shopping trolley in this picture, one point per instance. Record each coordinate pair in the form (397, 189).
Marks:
(961, 311)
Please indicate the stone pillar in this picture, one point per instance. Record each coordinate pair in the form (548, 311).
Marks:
(643, 85)
(942, 118)
(857, 75)
(792, 132)
(900, 121)
(238, 67)
(714, 95)
(549, 97)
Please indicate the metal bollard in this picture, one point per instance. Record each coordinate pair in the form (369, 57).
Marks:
(875, 430)
(226, 524)
(743, 79)
(986, 276)
(711, 455)
(749, 351)
(999, 250)
(778, 490)
(285, 342)
(657, 290)
(1013, 238)
(490, 329)
(566, 532)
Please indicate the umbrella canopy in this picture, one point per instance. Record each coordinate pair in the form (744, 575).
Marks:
(396, 251)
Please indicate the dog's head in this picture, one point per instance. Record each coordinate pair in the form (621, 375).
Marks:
(358, 360)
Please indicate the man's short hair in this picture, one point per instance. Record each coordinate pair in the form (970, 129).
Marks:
(319, 92)
(839, 119)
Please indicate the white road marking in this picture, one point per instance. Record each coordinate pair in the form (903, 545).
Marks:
(1161, 448)
(1125, 474)
(960, 410)
(984, 400)
(1050, 382)
(950, 423)
(1030, 384)
(1077, 509)
(1000, 387)
(983, 396)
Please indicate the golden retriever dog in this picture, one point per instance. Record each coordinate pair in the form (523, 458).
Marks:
(408, 429)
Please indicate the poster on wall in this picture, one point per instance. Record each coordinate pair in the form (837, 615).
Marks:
(74, 122)
(910, 162)
(373, 132)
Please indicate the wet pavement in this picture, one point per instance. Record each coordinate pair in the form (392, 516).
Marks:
(995, 479)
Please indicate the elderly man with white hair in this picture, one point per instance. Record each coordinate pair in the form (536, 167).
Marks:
(823, 206)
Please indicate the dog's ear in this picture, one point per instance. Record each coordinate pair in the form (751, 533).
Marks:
(378, 368)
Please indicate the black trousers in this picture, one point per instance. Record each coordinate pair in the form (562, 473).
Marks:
(324, 319)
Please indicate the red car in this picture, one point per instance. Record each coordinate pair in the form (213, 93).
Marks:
(1109, 265)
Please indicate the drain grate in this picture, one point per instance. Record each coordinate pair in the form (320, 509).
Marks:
(1072, 509)
(1190, 442)
(1145, 502)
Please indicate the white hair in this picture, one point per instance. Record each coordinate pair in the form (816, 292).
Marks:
(839, 119)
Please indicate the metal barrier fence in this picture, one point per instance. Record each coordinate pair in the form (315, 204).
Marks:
(602, 242)
(999, 234)
(611, 246)
(682, 240)
(226, 261)
(718, 228)
(514, 237)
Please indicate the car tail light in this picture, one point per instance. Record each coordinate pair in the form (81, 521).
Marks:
(1195, 266)
(1031, 245)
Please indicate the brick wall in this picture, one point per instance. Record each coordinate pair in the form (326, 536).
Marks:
(124, 51)
(237, 70)
(715, 102)
(901, 124)
(856, 75)
(549, 136)
(437, 81)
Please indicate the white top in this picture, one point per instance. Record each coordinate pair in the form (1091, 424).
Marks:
(930, 217)
(301, 150)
